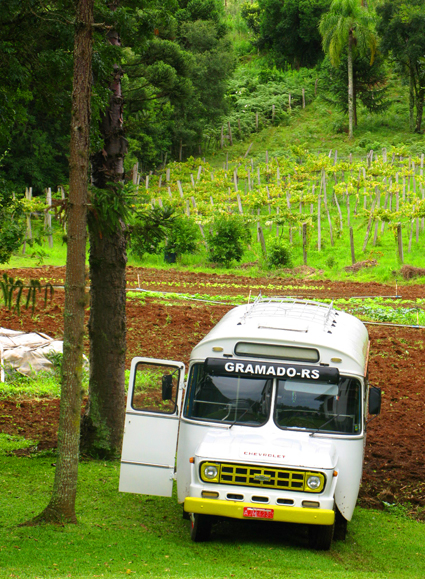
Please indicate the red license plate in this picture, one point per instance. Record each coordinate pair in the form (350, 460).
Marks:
(258, 513)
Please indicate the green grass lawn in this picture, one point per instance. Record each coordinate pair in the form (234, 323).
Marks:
(123, 534)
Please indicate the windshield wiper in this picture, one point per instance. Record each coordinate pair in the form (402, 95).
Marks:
(324, 424)
(239, 419)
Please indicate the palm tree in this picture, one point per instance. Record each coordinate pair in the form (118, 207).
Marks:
(347, 24)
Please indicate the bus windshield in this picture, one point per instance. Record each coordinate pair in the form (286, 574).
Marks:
(228, 399)
(319, 406)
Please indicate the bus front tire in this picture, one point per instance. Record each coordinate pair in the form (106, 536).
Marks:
(200, 530)
(320, 537)
(340, 531)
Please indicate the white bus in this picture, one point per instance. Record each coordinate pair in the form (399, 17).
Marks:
(270, 424)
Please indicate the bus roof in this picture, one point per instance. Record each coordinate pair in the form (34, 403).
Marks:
(293, 322)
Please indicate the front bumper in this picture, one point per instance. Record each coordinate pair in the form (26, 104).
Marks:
(281, 514)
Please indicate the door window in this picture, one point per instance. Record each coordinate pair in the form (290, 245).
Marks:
(155, 388)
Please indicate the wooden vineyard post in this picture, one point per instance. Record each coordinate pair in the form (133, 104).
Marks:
(169, 193)
(387, 195)
(378, 201)
(258, 225)
(400, 243)
(180, 188)
(269, 207)
(319, 231)
(221, 138)
(339, 211)
(353, 256)
(48, 216)
(135, 173)
(369, 225)
(28, 233)
(289, 101)
(262, 241)
(288, 205)
(348, 211)
(412, 221)
(325, 202)
(304, 243)
(238, 197)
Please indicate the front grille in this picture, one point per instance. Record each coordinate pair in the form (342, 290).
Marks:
(262, 477)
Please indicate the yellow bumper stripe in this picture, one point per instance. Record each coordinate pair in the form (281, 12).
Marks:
(282, 514)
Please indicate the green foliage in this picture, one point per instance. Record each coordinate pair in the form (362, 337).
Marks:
(370, 86)
(226, 239)
(290, 31)
(183, 236)
(347, 21)
(9, 285)
(256, 91)
(400, 26)
(149, 229)
(12, 229)
(109, 207)
(251, 13)
(279, 253)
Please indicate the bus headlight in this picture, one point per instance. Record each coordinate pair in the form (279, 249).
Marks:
(314, 483)
(209, 472)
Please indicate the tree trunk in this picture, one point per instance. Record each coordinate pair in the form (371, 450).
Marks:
(411, 98)
(419, 112)
(354, 103)
(350, 85)
(103, 421)
(61, 507)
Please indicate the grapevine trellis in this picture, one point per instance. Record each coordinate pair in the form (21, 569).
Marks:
(310, 200)
(297, 196)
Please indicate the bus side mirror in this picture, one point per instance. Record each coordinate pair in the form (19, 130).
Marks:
(374, 400)
(167, 387)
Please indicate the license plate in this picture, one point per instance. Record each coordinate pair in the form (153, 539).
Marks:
(258, 513)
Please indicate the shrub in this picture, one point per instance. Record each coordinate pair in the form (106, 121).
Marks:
(279, 254)
(226, 240)
(149, 229)
(183, 236)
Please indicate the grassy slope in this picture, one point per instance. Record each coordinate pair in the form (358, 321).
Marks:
(122, 534)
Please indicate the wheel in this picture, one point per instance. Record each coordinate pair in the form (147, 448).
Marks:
(186, 515)
(200, 530)
(320, 537)
(340, 531)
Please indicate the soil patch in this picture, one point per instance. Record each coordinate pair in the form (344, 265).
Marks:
(394, 469)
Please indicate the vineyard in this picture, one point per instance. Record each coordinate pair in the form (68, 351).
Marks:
(315, 202)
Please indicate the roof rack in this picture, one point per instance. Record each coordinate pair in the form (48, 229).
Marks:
(317, 312)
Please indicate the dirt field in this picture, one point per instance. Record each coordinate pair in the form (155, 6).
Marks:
(394, 468)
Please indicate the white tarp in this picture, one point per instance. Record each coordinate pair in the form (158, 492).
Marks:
(26, 353)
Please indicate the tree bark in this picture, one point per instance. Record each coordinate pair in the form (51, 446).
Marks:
(350, 84)
(61, 507)
(419, 111)
(411, 98)
(103, 421)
